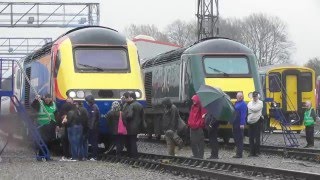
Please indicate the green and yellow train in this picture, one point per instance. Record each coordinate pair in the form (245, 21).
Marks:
(178, 74)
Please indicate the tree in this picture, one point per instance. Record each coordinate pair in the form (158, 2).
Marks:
(267, 37)
(182, 33)
(150, 30)
(231, 28)
(314, 63)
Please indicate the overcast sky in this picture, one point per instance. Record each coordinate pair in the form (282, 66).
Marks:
(302, 18)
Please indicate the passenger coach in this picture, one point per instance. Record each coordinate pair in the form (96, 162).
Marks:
(290, 87)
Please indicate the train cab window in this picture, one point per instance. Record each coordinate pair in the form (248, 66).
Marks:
(95, 59)
(226, 66)
(305, 82)
(274, 82)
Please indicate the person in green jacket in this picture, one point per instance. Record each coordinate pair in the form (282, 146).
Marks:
(309, 121)
(46, 118)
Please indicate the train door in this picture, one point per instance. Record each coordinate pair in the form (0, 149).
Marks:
(291, 95)
(292, 92)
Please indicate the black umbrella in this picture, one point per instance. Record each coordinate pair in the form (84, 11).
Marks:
(217, 103)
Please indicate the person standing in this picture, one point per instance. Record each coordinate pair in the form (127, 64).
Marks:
(196, 124)
(113, 117)
(212, 126)
(75, 131)
(46, 118)
(134, 120)
(239, 123)
(66, 107)
(93, 125)
(170, 126)
(309, 121)
(254, 121)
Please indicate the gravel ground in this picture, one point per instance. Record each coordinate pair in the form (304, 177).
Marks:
(263, 160)
(18, 162)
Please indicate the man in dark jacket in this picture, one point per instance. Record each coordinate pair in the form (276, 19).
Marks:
(75, 130)
(93, 124)
(133, 117)
(66, 107)
(170, 126)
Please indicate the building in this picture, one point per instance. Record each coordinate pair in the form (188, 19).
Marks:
(148, 47)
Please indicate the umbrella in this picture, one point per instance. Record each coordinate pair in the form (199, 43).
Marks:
(217, 103)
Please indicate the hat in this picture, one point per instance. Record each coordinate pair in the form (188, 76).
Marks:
(90, 99)
(255, 94)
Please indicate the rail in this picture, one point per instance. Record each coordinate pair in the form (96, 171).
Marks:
(208, 169)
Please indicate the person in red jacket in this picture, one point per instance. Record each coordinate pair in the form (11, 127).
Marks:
(196, 124)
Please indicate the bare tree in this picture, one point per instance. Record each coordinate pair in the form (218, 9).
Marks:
(314, 63)
(267, 37)
(230, 28)
(182, 33)
(150, 30)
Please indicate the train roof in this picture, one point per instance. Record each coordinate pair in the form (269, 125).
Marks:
(84, 35)
(170, 56)
(216, 45)
(265, 69)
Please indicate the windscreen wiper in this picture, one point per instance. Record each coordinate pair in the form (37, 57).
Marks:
(217, 70)
(92, 67)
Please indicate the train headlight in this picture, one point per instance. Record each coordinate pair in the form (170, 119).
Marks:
(80, 94)
(72, 94)
(138, 94)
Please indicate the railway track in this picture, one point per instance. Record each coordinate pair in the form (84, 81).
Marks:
(311, 155)
(208, 169)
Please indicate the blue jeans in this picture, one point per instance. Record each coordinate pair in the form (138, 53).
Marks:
(84, 146)
(238, 138)
(75, 136)
(93, 140)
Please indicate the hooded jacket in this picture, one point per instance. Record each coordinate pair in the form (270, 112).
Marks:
(195, 119)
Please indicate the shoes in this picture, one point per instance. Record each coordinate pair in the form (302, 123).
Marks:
(73, 160)
(93, 159)
(63, 159)
(236, 156)
(213, 157)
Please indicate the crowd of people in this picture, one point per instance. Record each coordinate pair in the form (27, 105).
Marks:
(77, 126)
(246, 114)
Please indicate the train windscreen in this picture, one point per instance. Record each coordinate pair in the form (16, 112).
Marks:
(226, 66)
(101, 59)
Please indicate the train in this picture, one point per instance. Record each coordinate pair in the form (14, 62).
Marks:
(290, 86)
(178, 74)
(89, 60)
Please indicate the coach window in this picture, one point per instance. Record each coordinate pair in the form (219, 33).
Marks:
(305, 82)
(274, 82)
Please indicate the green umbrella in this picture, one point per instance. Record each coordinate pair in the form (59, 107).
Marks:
(217, 103)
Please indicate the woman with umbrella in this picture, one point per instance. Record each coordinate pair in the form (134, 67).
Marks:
(219, 108)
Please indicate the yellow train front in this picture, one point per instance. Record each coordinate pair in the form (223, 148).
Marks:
(290, 87)
(87, 60)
